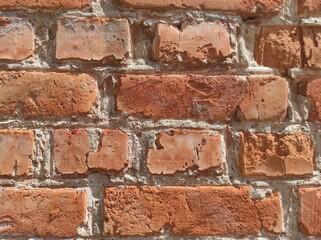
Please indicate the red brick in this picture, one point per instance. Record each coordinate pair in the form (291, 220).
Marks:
(46, 95)
(203, 43)
(42, 213)
(186, 211)
(16, 39)
(312, 41)
(93, 39)
(180, 96)
(16, 147)
(238, 6)
(70, 151)
(266, 99)
(314, 97)
(72, 154)
(271, 212)
(276, 155)
(309, 6)
(182, 150)
(310, 211)
(278, 47)
(113, 152)
(47, 4)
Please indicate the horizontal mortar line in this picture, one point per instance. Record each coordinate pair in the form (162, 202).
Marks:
(158, 124)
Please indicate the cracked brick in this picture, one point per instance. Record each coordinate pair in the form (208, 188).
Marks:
(276, 155)
(182, 150)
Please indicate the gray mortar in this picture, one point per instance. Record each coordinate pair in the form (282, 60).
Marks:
(142, 131)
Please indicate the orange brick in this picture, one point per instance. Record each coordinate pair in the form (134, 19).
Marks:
(72, 154)
(93, 39)
(16, 147)
(46, 95)
(311, 40)
(310, 211)
(113, 152)
(70, 151)
(271, 212)
(266, 99)
(186, 211)
(278, 47)
(203, 43)
(309, 6)
(239, 6)
(46, 4)
(16, 39)
(182, 150)
(42, 213)
(214, 98)
(276, 155)
(314, 97)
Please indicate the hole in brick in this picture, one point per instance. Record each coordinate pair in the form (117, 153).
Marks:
(91, 27)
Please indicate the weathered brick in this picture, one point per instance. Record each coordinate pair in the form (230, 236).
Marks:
(16, 39)
(93, 39)
(187, 211)
(72, 154)
(310, 211)
(16, 147)
(138, 211)
(113, 152)
(202, 43)
(182, 150)
(276, 155)
(42, 213)
(278, 47)
(212, 98)
(47, 4)
(314, 97)
(239, 6)
(70, 150)
(311, 40)
(46, 95)
(266, 99)
(309, 6)
(271, 212)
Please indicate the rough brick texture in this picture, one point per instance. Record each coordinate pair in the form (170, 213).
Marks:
(183, 210)
(16, 39)
(309, 6)
(46, 95)
(310, 200)
(112, 154)
(203, 43)
(311, 39)
(160, 119)
(72, 151)
(314, 97)
(93, 39)
(47, 4)
(183, 150)
(42, 212)
(180, 97)
(276, 155)
(266, 99)
(271, 212)
(278, 47)
(239, 6)
(16, 149)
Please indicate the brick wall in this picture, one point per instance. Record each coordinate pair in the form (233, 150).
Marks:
(161, 119)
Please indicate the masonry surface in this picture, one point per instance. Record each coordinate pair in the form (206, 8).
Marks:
(167, 119)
